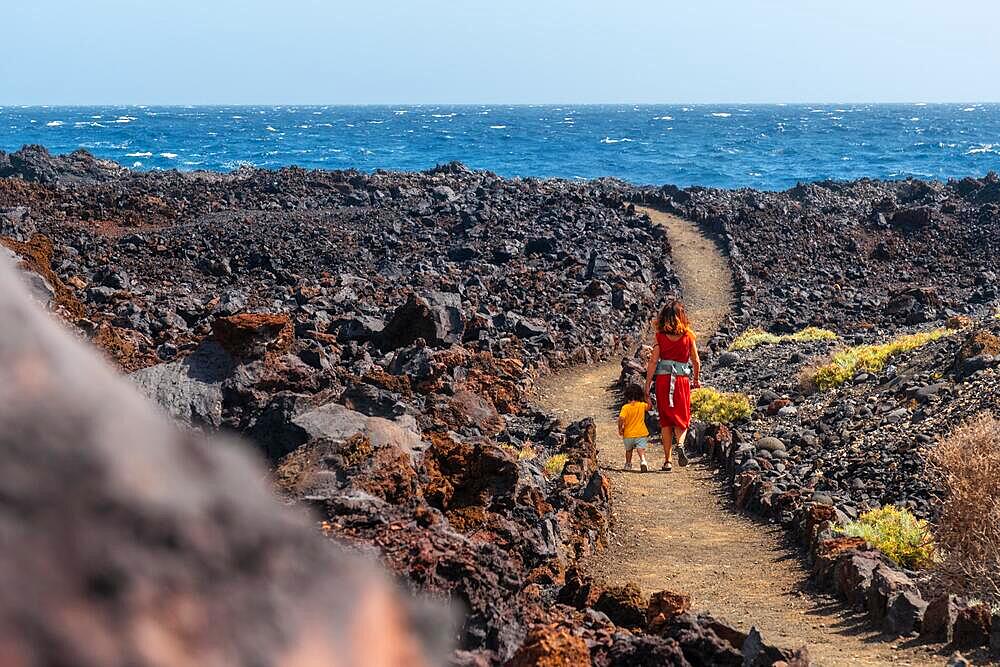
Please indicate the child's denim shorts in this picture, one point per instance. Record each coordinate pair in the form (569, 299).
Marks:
(635, 443)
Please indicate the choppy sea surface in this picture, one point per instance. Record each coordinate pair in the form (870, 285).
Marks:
(726, 145)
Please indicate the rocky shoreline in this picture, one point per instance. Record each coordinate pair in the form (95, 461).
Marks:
(375, 337)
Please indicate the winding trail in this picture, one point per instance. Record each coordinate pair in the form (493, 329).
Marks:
(675, 531)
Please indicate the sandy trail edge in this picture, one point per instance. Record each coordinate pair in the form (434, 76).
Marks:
(676, 530)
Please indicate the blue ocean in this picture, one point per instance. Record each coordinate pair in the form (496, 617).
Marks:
(768, 147)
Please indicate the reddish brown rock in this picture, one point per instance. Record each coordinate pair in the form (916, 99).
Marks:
(777, 404)
(625, 605)
(475, 410)
(827, 554)
(551, 646)
(579, 591)
(36, 256)
(817, 520)
(254, 334)
(663, 607)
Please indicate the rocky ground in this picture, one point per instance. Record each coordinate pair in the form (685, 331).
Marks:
(374, 337)
(871, 261)
(855, 257)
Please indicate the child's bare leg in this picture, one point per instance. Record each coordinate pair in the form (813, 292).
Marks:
(667, 437)
(642, 459)
(628, 456)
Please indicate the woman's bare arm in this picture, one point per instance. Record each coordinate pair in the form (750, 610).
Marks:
(695, 364)
(654, 357)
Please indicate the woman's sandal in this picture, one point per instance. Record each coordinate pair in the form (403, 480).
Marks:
(666, 467)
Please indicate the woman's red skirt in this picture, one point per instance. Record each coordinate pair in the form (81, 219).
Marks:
(678, 416)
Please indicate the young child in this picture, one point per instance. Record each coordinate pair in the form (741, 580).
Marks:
(632, 425)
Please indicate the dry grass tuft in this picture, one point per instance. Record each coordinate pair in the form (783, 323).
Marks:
(968, 529)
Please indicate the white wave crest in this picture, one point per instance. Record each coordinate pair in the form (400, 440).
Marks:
(663, 118)
(270, 129)
(722, 114)
(139, 154)
(982, 148)
(443, 115)
(54, 123)
(498, 127)
(609, 140)
(169, 156)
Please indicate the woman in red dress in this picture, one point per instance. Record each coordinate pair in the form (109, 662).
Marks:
(676, 368)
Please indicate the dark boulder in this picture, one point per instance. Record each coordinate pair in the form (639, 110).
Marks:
(625, 605)
(190, 389)
(361, 328)
(437, 318)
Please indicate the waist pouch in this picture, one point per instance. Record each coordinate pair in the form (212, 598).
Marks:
(674, 369)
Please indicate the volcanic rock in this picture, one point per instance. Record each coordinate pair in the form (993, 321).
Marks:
(118, 515)
(436, 318)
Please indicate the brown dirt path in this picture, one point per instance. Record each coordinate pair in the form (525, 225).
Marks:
(676, 531)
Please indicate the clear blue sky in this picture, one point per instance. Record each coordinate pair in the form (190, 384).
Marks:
(512, 51)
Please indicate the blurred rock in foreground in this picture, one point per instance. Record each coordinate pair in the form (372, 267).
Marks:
(128, 542)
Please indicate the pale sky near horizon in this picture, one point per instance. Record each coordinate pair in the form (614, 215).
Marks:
(514, 51)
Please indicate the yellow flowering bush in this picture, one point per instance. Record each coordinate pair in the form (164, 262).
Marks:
(710, 405)
(897, 533)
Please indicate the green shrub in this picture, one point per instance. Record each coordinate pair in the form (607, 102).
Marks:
(554, 465)
(709, 405)
(897, 533)
(846, 363)
(754, 337)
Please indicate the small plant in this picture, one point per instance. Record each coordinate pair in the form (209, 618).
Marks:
(525, 453)
(753, 337)
(710, 405)
(555, 464)
(897, 533)
(811, 334)
(847, 363)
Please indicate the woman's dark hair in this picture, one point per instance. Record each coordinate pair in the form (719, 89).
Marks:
(672, 319)
(634, 392)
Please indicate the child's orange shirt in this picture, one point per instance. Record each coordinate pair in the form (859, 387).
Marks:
(634, 415)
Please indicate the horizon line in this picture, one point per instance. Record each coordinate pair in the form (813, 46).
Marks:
(481, 104)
